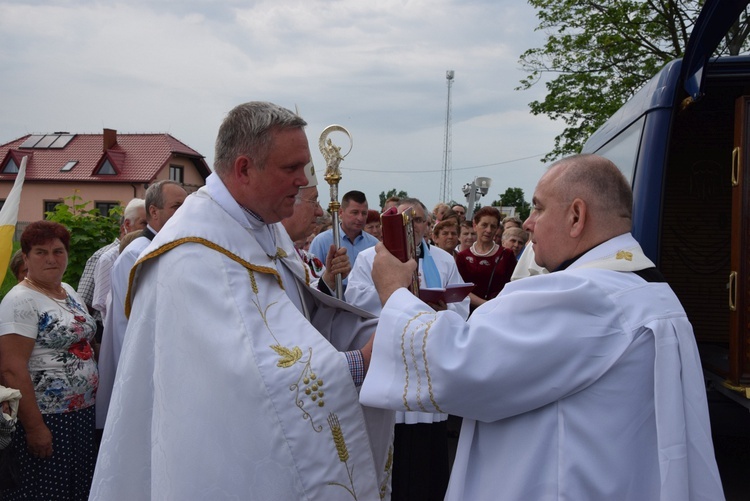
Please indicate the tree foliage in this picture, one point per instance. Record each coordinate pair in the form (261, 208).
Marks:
(89, 231)
(602, 53)
(514, 197)
(391, 193)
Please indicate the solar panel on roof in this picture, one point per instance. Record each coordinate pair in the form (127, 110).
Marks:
(56, 141)
(61, 141)
(46, 141)
(31, 141)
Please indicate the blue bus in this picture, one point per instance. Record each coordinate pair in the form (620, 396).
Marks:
(684, 143)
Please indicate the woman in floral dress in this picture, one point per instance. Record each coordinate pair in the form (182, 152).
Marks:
(45, 342)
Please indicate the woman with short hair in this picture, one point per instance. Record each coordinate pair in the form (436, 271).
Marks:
(486, 264)
(45, 341)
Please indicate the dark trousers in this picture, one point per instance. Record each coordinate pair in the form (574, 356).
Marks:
(420, 462)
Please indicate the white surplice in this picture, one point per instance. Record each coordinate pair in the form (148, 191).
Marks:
(361, 292)
(580, 384)
(224, 389)
(115, 323)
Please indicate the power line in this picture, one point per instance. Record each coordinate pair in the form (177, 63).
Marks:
(401, 171)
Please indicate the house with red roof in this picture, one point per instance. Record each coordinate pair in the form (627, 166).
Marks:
(106, 169)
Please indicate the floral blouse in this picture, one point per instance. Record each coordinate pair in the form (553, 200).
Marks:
(311, 260)
(62, 365)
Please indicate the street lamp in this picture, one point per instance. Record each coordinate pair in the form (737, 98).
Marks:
(473, 191)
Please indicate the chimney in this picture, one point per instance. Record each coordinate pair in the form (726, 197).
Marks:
(110, 138)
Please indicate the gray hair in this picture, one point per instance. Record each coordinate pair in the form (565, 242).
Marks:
(155, 195)
(413, 201)
(246, 130)
(131, 210)
(515, 232)
(515, 219)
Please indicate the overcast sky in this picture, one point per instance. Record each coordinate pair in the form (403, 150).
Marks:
(377, 68)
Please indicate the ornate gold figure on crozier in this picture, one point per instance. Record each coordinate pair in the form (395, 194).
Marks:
(333, 157)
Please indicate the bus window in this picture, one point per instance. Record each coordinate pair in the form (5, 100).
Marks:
(623, 149)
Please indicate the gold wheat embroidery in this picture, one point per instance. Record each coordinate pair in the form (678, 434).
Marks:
(253, 283)
(289, 356)
(388, 471)
(343, 453)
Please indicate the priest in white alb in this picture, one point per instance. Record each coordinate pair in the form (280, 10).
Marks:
(581, 384)
(237, 380)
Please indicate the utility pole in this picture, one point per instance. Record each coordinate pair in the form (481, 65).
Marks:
(446, 180)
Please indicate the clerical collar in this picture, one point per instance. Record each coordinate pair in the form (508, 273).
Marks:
(248, 211)
(148, 232)
(570, 261)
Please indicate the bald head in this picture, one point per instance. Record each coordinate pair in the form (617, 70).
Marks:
(596, 180)
(580, 202)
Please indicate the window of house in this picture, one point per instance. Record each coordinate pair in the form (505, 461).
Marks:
(49, 206)
(107, 169)
(104, 207)
(10, 167)
(69, 166)
(177, 173)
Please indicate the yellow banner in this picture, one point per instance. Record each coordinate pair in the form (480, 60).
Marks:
(6, 248)
(8, 219)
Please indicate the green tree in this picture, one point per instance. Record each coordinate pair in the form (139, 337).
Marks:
(514, 197)
(89, 231)
(391, 193)
(604, 52)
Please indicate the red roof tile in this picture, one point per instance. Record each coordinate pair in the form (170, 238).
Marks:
(136, 157)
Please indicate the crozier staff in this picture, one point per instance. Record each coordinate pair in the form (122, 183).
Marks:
(333, 157)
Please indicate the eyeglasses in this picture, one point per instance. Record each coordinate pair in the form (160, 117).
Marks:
(315, 202)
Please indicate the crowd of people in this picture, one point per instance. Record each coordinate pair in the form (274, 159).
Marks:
(205, 354)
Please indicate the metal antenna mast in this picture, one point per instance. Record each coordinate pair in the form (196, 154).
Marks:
(446, 188)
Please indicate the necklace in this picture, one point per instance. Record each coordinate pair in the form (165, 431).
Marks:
(67, 303)
(46, 290)
(479, 254)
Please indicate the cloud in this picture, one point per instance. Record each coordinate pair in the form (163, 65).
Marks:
(377, 68)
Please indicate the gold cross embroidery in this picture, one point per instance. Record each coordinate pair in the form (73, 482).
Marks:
(628, 256)
(280, 254)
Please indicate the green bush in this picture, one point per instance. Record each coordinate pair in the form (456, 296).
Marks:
(89, 231)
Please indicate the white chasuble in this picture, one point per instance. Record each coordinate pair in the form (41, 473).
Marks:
(224, 389)
(580, 384)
